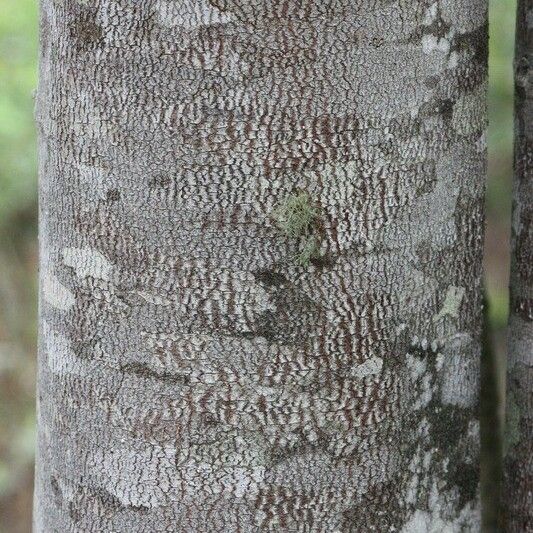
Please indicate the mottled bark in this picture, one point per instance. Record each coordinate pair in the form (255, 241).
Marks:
(194, 376)
(518, 472)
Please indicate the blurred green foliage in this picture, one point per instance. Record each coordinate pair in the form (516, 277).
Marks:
(18, 241)
(18, 251)
(18, 76)
(500, 139)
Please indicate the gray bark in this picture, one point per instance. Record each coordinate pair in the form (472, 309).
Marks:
(194, 376)
(518, 471)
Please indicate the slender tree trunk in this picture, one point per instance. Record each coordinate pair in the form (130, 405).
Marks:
(518, 473)
(261, 233)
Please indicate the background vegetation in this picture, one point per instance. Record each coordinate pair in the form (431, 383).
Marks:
(18, 236)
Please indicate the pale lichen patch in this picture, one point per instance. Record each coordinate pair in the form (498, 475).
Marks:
(460, 371)
(94, 181)
(435, 520)
(237, 481)
(424, 522)
(88, 262)
(154, 299)
(416, 366)
(370, 367)
(56, 294)
(137, 475)
(452, 303)
(61, 359)
(453, 60)
(433, 43)
(189, 14)
(431, 13)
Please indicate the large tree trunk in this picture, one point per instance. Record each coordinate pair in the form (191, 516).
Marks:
(518, 473)
(208, 361)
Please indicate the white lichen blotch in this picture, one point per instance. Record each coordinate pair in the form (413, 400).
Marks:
(452, 303)
(56, 294)
(88, 262)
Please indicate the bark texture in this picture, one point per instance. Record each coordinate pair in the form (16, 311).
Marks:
(518, 473)
(194, 376)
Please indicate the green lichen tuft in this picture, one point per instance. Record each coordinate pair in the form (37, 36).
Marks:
(309, 251)
(297, 217)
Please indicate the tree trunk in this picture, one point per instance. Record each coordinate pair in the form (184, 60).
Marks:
(261, 241)
(518, 472)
